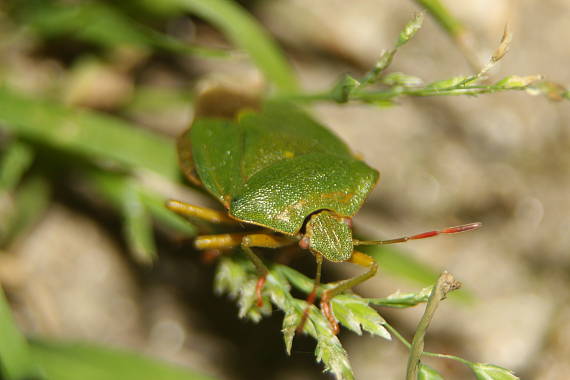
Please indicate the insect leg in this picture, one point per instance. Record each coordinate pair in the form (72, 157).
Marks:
(261, 270)
(221, 241)
(203, 213)
(311, 297)
(266, 241)
(358, 258)
(246, 241)
(423, 235)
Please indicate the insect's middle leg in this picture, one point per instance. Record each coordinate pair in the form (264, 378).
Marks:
(358, 258)
(246, 241)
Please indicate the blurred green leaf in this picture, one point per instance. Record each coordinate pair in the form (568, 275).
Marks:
(148, 99)
(290, 322)
(298, 280)
(29, 202)
(91, 21)
(401, 264)
(16, 361)
(101, 24)
(329, 349)
(112, 187)
(138, 226)
(428, 373)
(88, 133)
(353, 312)
(66, 361)
(485, 371)
(13, 164)
(125, 194)
(230, 275)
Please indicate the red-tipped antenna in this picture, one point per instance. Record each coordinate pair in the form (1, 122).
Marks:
(423, 235)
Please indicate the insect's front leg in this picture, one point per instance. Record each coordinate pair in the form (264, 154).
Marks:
(358, 258)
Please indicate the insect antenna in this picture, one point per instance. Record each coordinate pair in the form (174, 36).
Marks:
(423, 235)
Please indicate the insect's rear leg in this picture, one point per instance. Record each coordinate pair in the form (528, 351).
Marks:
(358, 258)
(311, 297)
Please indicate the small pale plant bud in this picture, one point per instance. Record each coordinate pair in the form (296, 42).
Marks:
(515, 81)
(410, 30)
(504, 45)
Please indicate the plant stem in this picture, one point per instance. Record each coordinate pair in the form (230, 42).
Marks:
(445, 283)
(394, 92)
(405, 342)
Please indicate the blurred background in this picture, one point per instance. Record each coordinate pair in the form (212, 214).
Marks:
(69, 219)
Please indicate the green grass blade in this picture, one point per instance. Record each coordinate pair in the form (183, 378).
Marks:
(65, 361)
(400, 264)
(87, 133)
(112, 187)
(103, 25)
(156, 99)
(30, 201)
(138, 226)
(123, 194)
(16, 361)
(15, 161)
(245, 32)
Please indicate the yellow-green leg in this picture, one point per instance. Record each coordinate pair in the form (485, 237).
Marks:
(224, 241)
(246, 241)
(204, 213)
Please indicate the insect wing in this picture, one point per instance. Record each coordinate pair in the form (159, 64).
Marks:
(282, 131)
(217, 151)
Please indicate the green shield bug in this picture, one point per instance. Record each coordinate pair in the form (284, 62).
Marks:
(275, 167)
